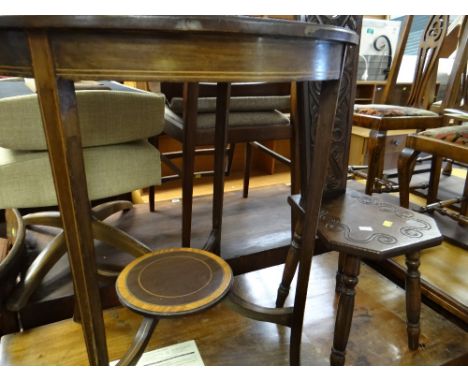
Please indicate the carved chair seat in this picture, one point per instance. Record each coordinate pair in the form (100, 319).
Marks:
(359, 226)
(168, 283)
(117, 159)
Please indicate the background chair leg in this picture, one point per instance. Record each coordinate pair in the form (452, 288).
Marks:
(448, 167)
(247, 169)
(434, 179)
(290, 266)
(139, 342)
(344, 315)
(375, 159)
(406, 162)
(413, 299)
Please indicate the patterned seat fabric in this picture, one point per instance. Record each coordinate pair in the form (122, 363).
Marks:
(455, 134)
(392, 111)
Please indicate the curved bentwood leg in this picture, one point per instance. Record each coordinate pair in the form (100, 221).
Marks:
(140, 341)
(56, 248)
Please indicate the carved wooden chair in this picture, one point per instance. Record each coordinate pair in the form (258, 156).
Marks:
(382, 118)
(117, 159)
(445, 142)
(360, 227)
(255, 115)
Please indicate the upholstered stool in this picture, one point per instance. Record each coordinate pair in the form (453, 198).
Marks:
(359, 226)
(169, 283)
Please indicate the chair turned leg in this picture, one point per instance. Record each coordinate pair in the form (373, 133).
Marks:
(344, 314)
(375, 161)
(339, 273)
(413, 299)
(139, 342)
(290, 267)
(247, 169)
(406, 162)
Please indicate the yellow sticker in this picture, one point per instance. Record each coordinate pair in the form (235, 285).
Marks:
(387, 223)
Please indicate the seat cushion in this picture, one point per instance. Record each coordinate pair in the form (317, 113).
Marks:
(257, 103)
(106, 117)
(392, 111)
(26, 176)
(273, 125)
(455, 134)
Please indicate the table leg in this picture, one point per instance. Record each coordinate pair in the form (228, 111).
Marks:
(315, 185)
(223, 94)
(60, 119)
(188, 149)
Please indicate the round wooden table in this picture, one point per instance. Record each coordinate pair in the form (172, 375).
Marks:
(57, 50)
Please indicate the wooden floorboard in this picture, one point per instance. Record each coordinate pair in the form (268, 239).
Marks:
(378, 335)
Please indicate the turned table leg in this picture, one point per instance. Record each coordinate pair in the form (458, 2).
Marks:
(344, 314)
(413, 299)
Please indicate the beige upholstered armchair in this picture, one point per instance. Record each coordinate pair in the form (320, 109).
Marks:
(115, 126)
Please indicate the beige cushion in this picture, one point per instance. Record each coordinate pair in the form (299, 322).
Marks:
(26, 177)
(106, 117)
(263, 103)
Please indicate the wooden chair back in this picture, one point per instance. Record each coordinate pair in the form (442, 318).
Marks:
(397, 59)
(456, 95)
(423, 88)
